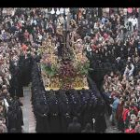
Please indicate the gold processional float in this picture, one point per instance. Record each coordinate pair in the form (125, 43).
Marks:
(57, 74)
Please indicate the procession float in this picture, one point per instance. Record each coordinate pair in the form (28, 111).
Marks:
(67, 73)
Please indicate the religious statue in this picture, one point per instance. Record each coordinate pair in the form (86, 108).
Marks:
(70, 72)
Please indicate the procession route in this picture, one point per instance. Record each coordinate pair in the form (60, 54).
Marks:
(28, 115)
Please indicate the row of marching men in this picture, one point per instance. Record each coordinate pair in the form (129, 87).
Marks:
(55, 110)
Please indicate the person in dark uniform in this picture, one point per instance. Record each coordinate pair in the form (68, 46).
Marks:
(88, 129)
(35, 75)
(16, 88)
(21, 67)
(79, 104)
(74, 103)
(65, 110)
(91, 109)
(100, 123)
(25, 67)
(75, 126)
(86, 113)
(39, 102)
(37, 57)
(14, 116)
(83, 107)
(60, 46)
(54, 115)
(41, 110)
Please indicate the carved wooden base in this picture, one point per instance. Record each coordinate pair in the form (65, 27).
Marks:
(55, 83)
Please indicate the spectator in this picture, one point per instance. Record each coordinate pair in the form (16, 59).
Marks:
(131, 129)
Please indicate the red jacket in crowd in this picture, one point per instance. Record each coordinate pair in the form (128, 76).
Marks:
(125, 114)
(130, 131)
(119, 112)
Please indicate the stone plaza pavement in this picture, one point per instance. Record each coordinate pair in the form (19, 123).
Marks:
(28, 115)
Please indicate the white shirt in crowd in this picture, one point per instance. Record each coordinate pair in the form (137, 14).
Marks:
(129, 72)
(95, 26)
(88, 48)
(35, 22)
(61, 20)
(130, 19)
(13, 12)
(6, 105)
(125, 11)
(135, 22)
(40, 37)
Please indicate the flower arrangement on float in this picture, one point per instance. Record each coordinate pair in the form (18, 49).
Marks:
(49, 69)
(67, 73)
(49, 65)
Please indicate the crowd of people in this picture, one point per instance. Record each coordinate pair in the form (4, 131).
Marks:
(10, 113)
(120, 85)
(111, 42)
